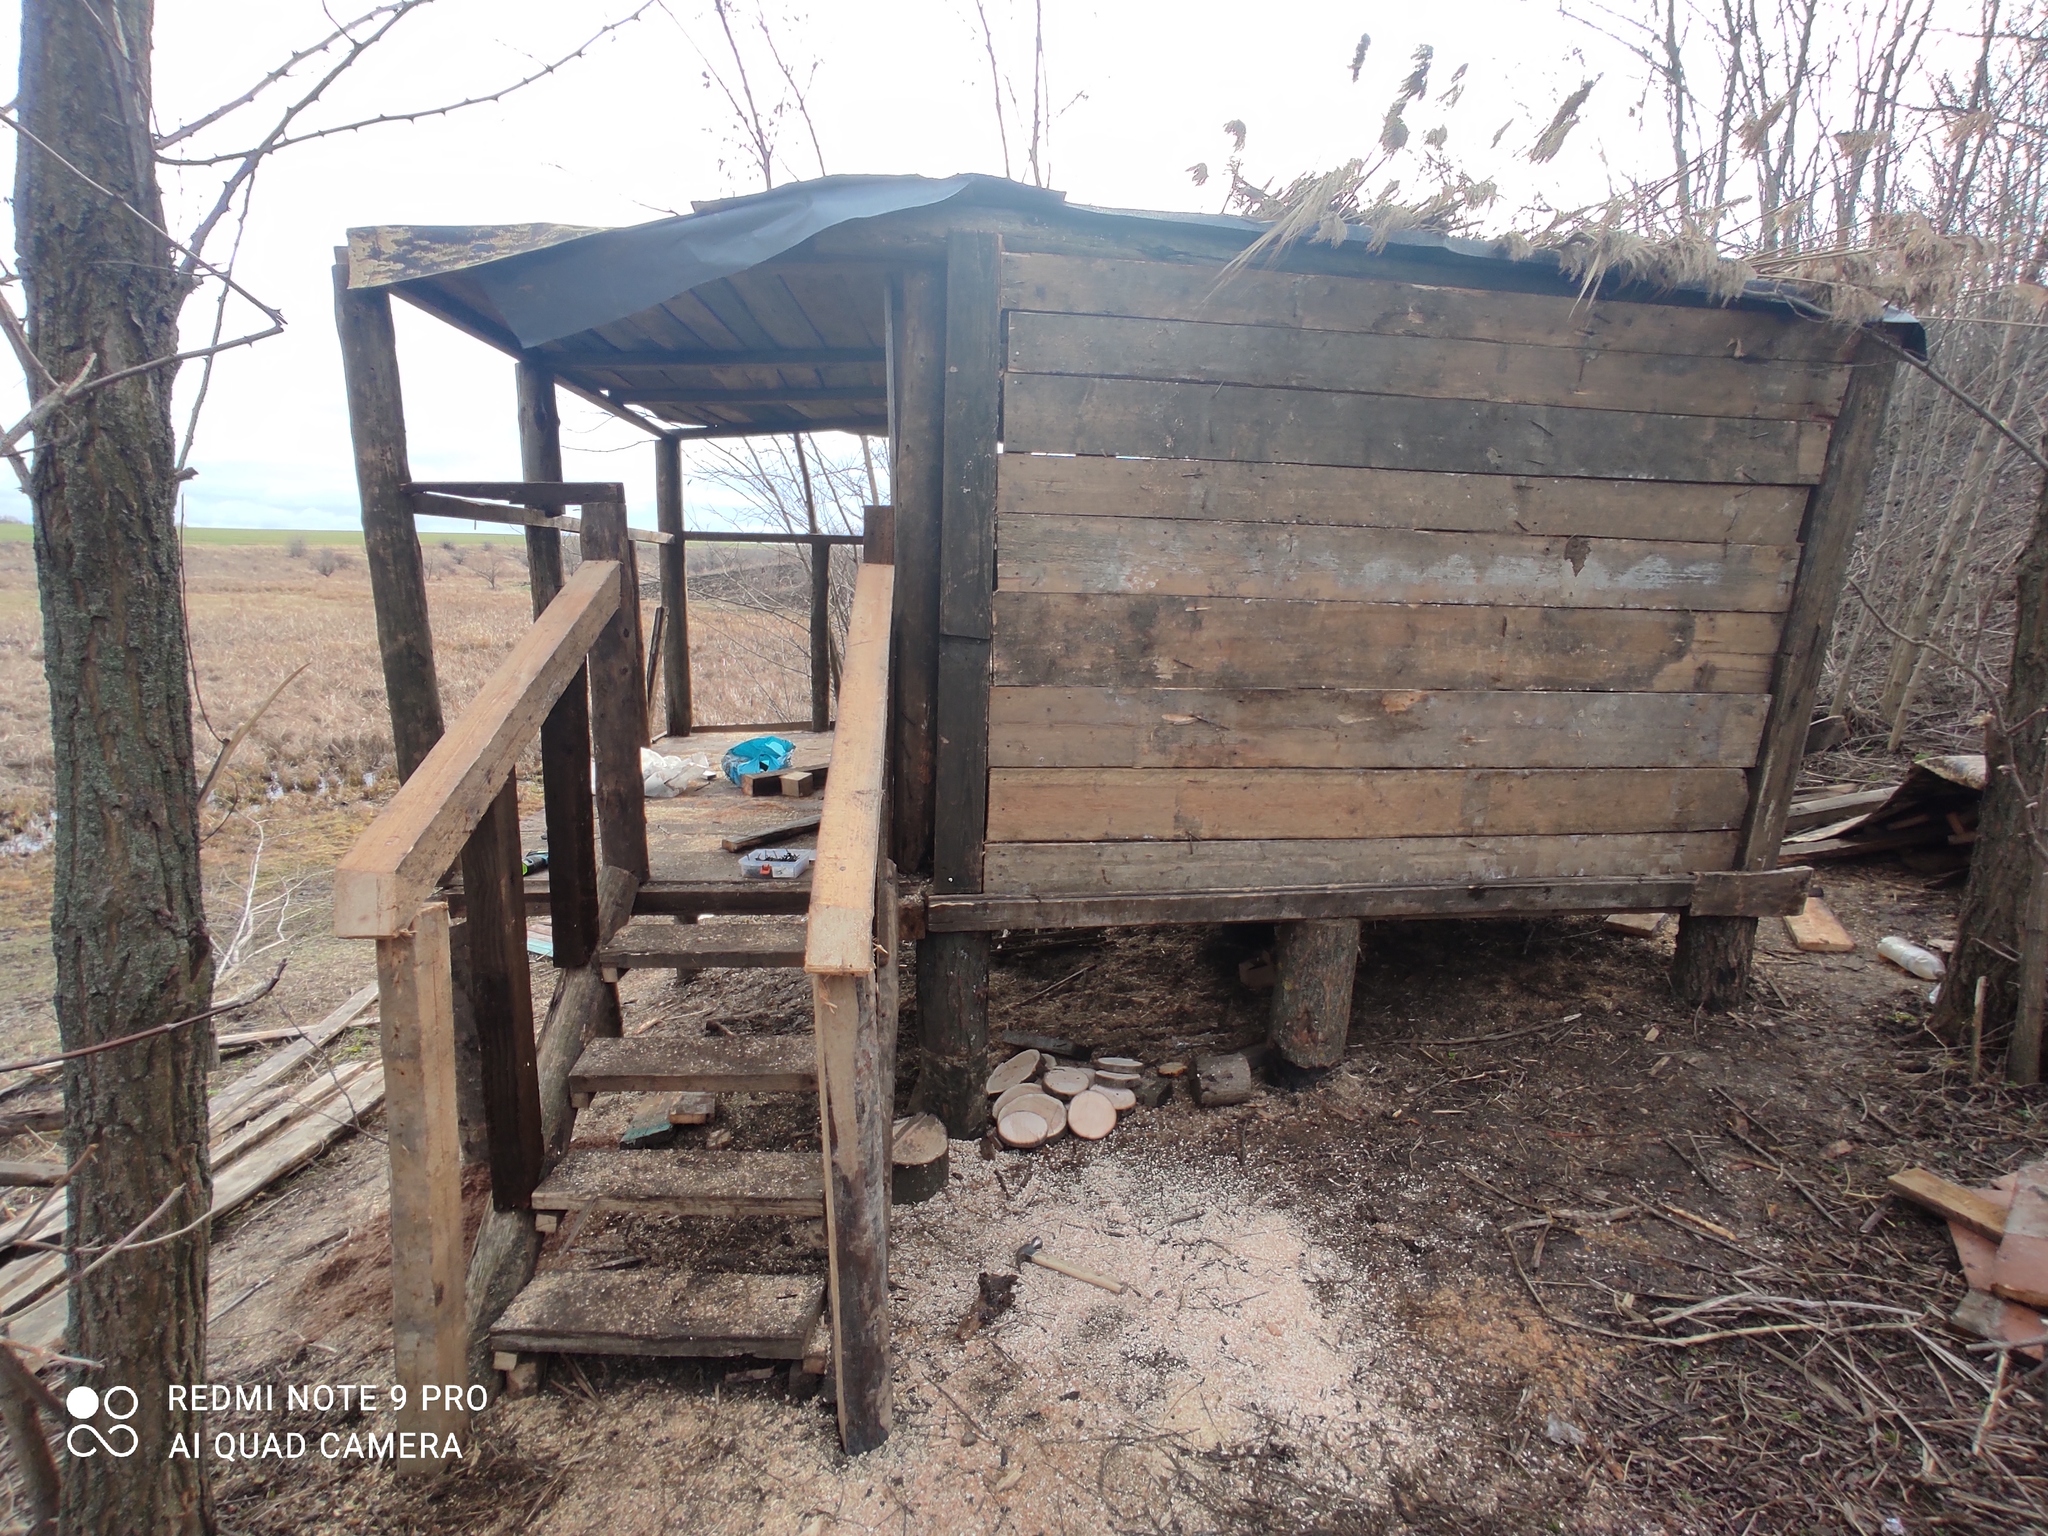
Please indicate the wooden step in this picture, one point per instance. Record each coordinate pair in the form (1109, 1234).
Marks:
(713, 1064)
(685, 1183)
(662, 1312)
(658, 945)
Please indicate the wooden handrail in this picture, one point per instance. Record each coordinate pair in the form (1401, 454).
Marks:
(841, 939)
(396, 863)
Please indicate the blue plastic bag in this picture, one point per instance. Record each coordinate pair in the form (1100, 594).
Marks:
(757, 754)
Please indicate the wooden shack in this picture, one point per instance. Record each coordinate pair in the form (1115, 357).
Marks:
(1395, 579)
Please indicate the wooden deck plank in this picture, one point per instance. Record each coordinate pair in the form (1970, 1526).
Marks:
(1316, 301)
(1097, 805)
(1386, 565)
(1515, 372)
(685, 1183)
(1139, 640)
(662, 1313)
(713, 1064)
(655, 944)
(1149, 420)
(1055, 727)
(1543, 506)
(1084, 869)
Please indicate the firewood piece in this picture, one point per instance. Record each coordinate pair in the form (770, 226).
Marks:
(1021, 1129)
(1974, 1209)
(920, 1157)
(1019, 1068)
(1090, 1116)
(2021, 1272)
(1817, 931)
(1222, 1079)
(1154, 1091)
(1066, 1082)
(1010, 1096)
(1119, 1064)
(1124, 1079)
(1173, 1069)
(1120, 1098)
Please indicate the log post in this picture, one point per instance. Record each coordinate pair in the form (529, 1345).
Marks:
(565, 734)
(501, 998)
(917, 402)
(952, 1018)
(855, 1113)
(1712, 965)
(391, 545)
(821, 635)
(1311, 1018)
(618, 702)
(675, 583)
(429, 1338)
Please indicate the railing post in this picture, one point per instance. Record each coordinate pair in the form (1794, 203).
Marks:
(821, 635)
(675, 581)
(618, 701)
(429, 1322)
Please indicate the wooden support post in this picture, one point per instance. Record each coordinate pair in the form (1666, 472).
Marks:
(565, 734)
(429, 1337)
(821, 635)
(391, 545)
(952, 1018)
(618, 703)
(1311, 1018)
(854, 1103)
(501, 998)
(1711, 967)
(653, 669)
(675, 583)
(917, 405)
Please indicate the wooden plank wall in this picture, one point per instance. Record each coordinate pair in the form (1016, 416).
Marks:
(1308, 579)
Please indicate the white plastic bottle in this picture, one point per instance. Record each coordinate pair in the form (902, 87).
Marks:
(1911, 958)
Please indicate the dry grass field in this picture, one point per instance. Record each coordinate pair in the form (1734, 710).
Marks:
(312, 772)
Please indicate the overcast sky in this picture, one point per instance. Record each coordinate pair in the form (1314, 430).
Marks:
(633, 132)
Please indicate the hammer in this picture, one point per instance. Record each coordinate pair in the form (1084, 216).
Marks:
(1031, 1253)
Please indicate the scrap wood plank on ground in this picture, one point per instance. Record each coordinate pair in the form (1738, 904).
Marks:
(1815, 930)
(1978, 1221)
(1935, 804)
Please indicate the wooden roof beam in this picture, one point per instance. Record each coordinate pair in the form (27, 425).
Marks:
(654, 394)
(745, 357)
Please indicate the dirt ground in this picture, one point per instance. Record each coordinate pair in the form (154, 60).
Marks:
(1348, 1309)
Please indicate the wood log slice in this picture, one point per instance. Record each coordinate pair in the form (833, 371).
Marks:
(1065, 1082)
(1009, 1096)
(1019, 1068)
(921, 1159)
(1120, 1063)
(1049, 1109)
(1120, 1098)
(1090, 1116)
(1021, 1129)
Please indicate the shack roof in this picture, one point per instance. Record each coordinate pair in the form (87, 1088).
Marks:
(767, 313)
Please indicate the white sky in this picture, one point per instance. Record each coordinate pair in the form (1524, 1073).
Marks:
(632, 132)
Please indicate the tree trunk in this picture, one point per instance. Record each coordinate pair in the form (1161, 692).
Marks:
(127, 922)
(1988, 929)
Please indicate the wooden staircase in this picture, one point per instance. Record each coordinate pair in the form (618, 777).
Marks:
(608, 918)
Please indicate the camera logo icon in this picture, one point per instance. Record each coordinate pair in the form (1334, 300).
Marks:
(85, 1404)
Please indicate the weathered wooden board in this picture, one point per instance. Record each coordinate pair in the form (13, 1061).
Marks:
(1089, 805)
(1369, 728)
(1082, 869)
(1140, 418)
(1284, 357)
(1543, 506)
(662, 1313)
(685, 1183)
(711, 1064)
(1138, 640)
(1386, 565)
(1312, 301)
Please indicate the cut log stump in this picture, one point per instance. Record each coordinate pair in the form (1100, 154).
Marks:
(1315, 962)
(1224, 1079)
(1712, 964)
(920, 1158)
